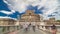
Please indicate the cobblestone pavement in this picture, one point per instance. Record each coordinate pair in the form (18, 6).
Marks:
(14, 32)
(30, 31)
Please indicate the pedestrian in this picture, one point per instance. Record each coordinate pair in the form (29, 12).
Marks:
(53, 29)
(29, 25)
(25, 27)
(33, 26)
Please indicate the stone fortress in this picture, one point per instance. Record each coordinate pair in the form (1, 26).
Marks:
(30, 17)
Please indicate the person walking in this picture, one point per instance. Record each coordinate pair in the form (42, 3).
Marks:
(25, 26)
(33, 26)
(29, 25)
(53, 29)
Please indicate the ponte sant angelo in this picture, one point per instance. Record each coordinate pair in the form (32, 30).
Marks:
(11, 26)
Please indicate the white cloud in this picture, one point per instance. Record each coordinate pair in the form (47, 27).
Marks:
(57, 15)
(20, 5)
(51, 6)
(7, 12)
(50, 11)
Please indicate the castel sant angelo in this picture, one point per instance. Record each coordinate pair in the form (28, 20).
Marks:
(30, 17)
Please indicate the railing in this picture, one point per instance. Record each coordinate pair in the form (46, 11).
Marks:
(8, 28)
(48, 30)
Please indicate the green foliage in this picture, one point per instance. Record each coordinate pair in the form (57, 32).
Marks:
(58, 20)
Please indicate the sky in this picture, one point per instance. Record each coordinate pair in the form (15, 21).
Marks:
(46, 8)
